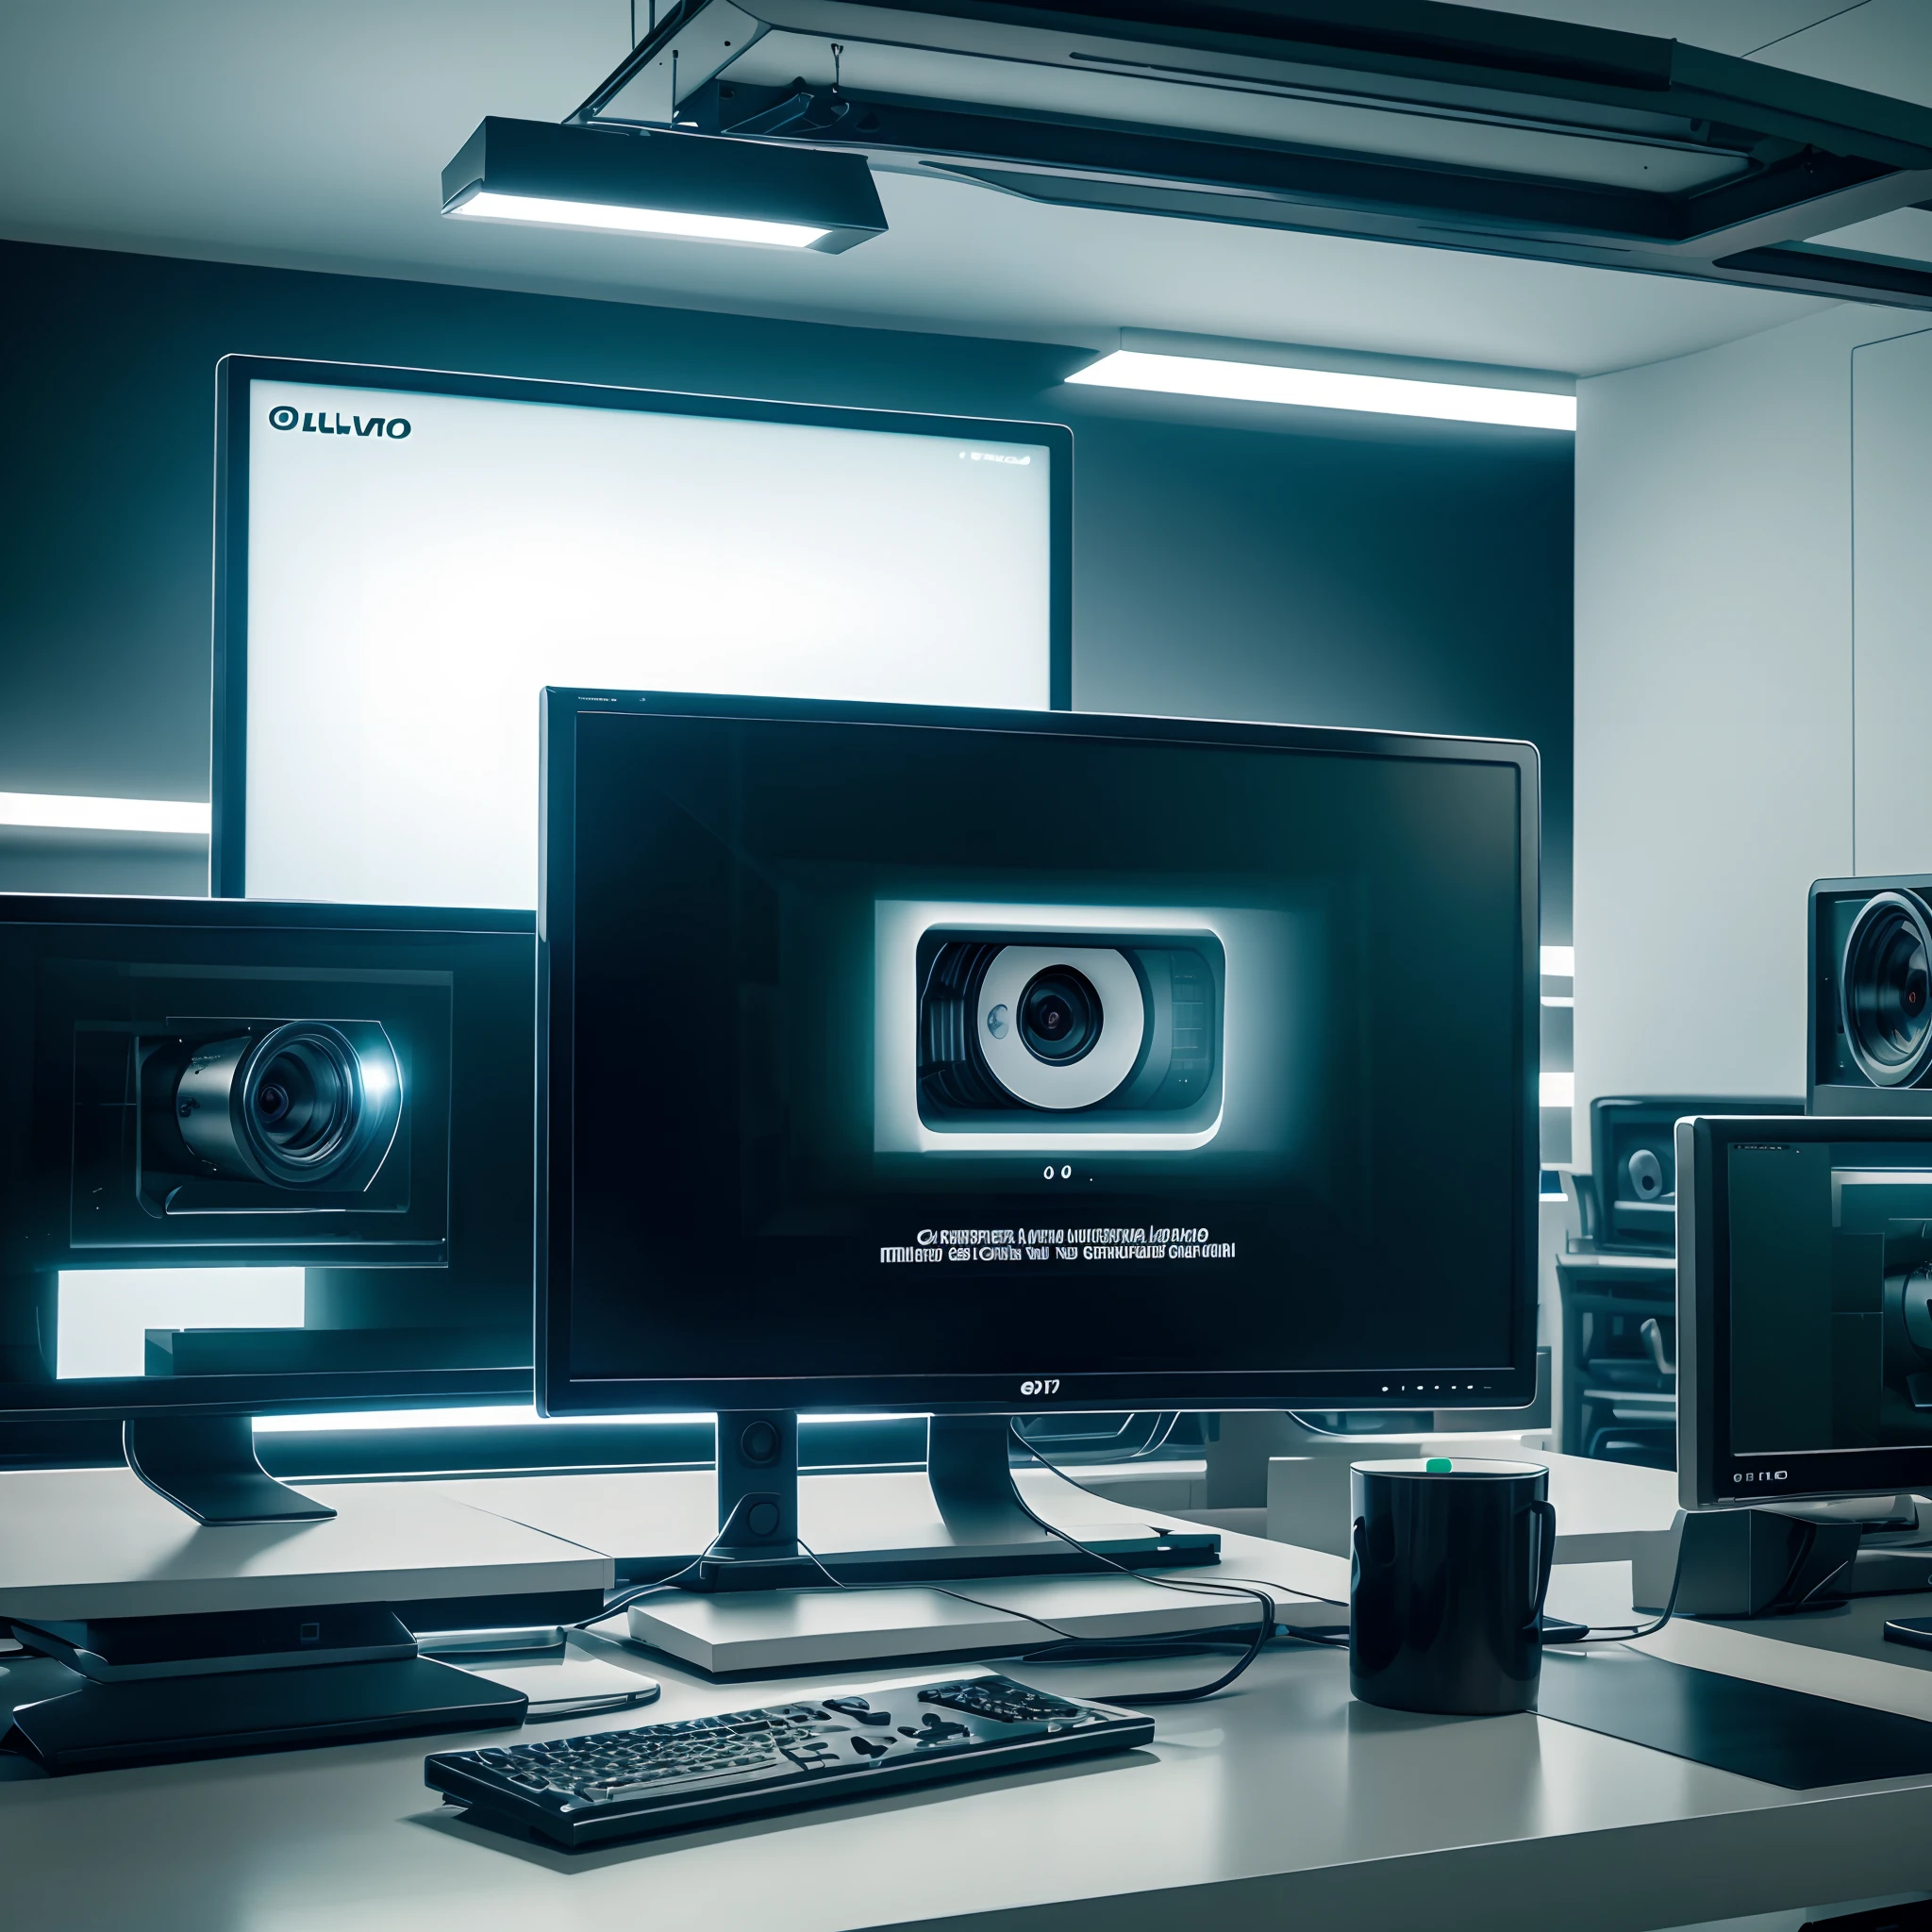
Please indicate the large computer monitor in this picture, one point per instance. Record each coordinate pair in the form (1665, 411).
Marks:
(259, 1157)
(912, 1059)
(404, 557)
(1803, 1309)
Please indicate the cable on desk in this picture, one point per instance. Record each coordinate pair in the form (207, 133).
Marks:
(1264, 1629)
(624, 1598)
(1071, 1647)
(1623, 1633)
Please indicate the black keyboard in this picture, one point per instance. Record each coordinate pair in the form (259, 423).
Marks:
(587, 1790)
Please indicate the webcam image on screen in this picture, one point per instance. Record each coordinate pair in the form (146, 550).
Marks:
(260, 1145)
(210, 1107)
(1021, 1026)
(1831, 1296)
(1028, 1033)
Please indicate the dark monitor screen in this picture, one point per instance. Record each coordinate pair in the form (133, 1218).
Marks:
(930, 1059)
(1806, 1305)
(260, 1155)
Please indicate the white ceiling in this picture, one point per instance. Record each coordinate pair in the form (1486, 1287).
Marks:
(313, 135)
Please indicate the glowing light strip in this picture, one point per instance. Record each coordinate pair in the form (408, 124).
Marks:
(57, 811)
(1328, 388)
(489, 204)
(1559, 962)
(506, 1417)
(1556, 1090)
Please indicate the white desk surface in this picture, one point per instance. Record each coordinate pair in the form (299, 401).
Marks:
(99, 1542)
(1605, 1511)
(1281, 1803)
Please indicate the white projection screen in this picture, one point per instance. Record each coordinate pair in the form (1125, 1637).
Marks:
(405, 559)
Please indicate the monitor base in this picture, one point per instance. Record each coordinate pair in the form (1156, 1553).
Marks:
(1757, 1563)
(781, 1633)
(988, 1529)
(1133, 1548)
(205, 1466)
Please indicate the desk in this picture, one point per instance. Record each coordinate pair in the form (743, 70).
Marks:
(1606, 1512)
(99, 1542)
(1282, 1802)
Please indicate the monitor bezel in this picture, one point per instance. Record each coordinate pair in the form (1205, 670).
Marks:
(115, 1398)
(1048, 1387)
(1710, 1476)
(228, 767)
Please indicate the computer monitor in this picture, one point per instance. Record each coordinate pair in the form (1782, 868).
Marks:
(259, 1157)
(1630, 1196)
(972, 1063)
(1803, 1309)
(404, 557)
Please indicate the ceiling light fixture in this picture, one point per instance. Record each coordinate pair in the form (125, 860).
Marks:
(663, 182)
(60, 812)
(1443, 127)
(1328, 388)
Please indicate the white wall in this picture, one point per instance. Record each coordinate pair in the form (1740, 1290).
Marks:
(1714, 703)
(1891, 600)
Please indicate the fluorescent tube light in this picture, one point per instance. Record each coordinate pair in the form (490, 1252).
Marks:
(664, 182)
(487, 206)
(1328, 388)
(1559, 962)
(478, 1417)
(56, 811)
(1556, 1090)
(501, 1418)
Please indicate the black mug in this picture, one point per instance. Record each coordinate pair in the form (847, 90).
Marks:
(1451, 1566)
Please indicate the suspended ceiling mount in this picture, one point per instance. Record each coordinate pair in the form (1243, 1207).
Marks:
(1389, 120)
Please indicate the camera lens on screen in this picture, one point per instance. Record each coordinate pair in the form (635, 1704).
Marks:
(1067, 1023)
(1060, 1015)
(304, 1102)
(294, 1105)
(1887, 989)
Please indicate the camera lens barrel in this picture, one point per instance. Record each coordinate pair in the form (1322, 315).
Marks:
(1885, 990)
(296, 1106)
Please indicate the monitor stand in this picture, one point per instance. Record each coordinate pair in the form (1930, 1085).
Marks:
(989, 1531)
(206, 1465)
(997, 1581)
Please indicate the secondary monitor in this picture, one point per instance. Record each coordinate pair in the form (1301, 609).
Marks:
(259, 1157)
(405, 559)
(914, 1058)
(1803, 1309)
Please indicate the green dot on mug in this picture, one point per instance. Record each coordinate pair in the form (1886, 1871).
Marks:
(1436, 1465)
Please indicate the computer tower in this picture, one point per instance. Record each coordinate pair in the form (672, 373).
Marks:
(1870, 996)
